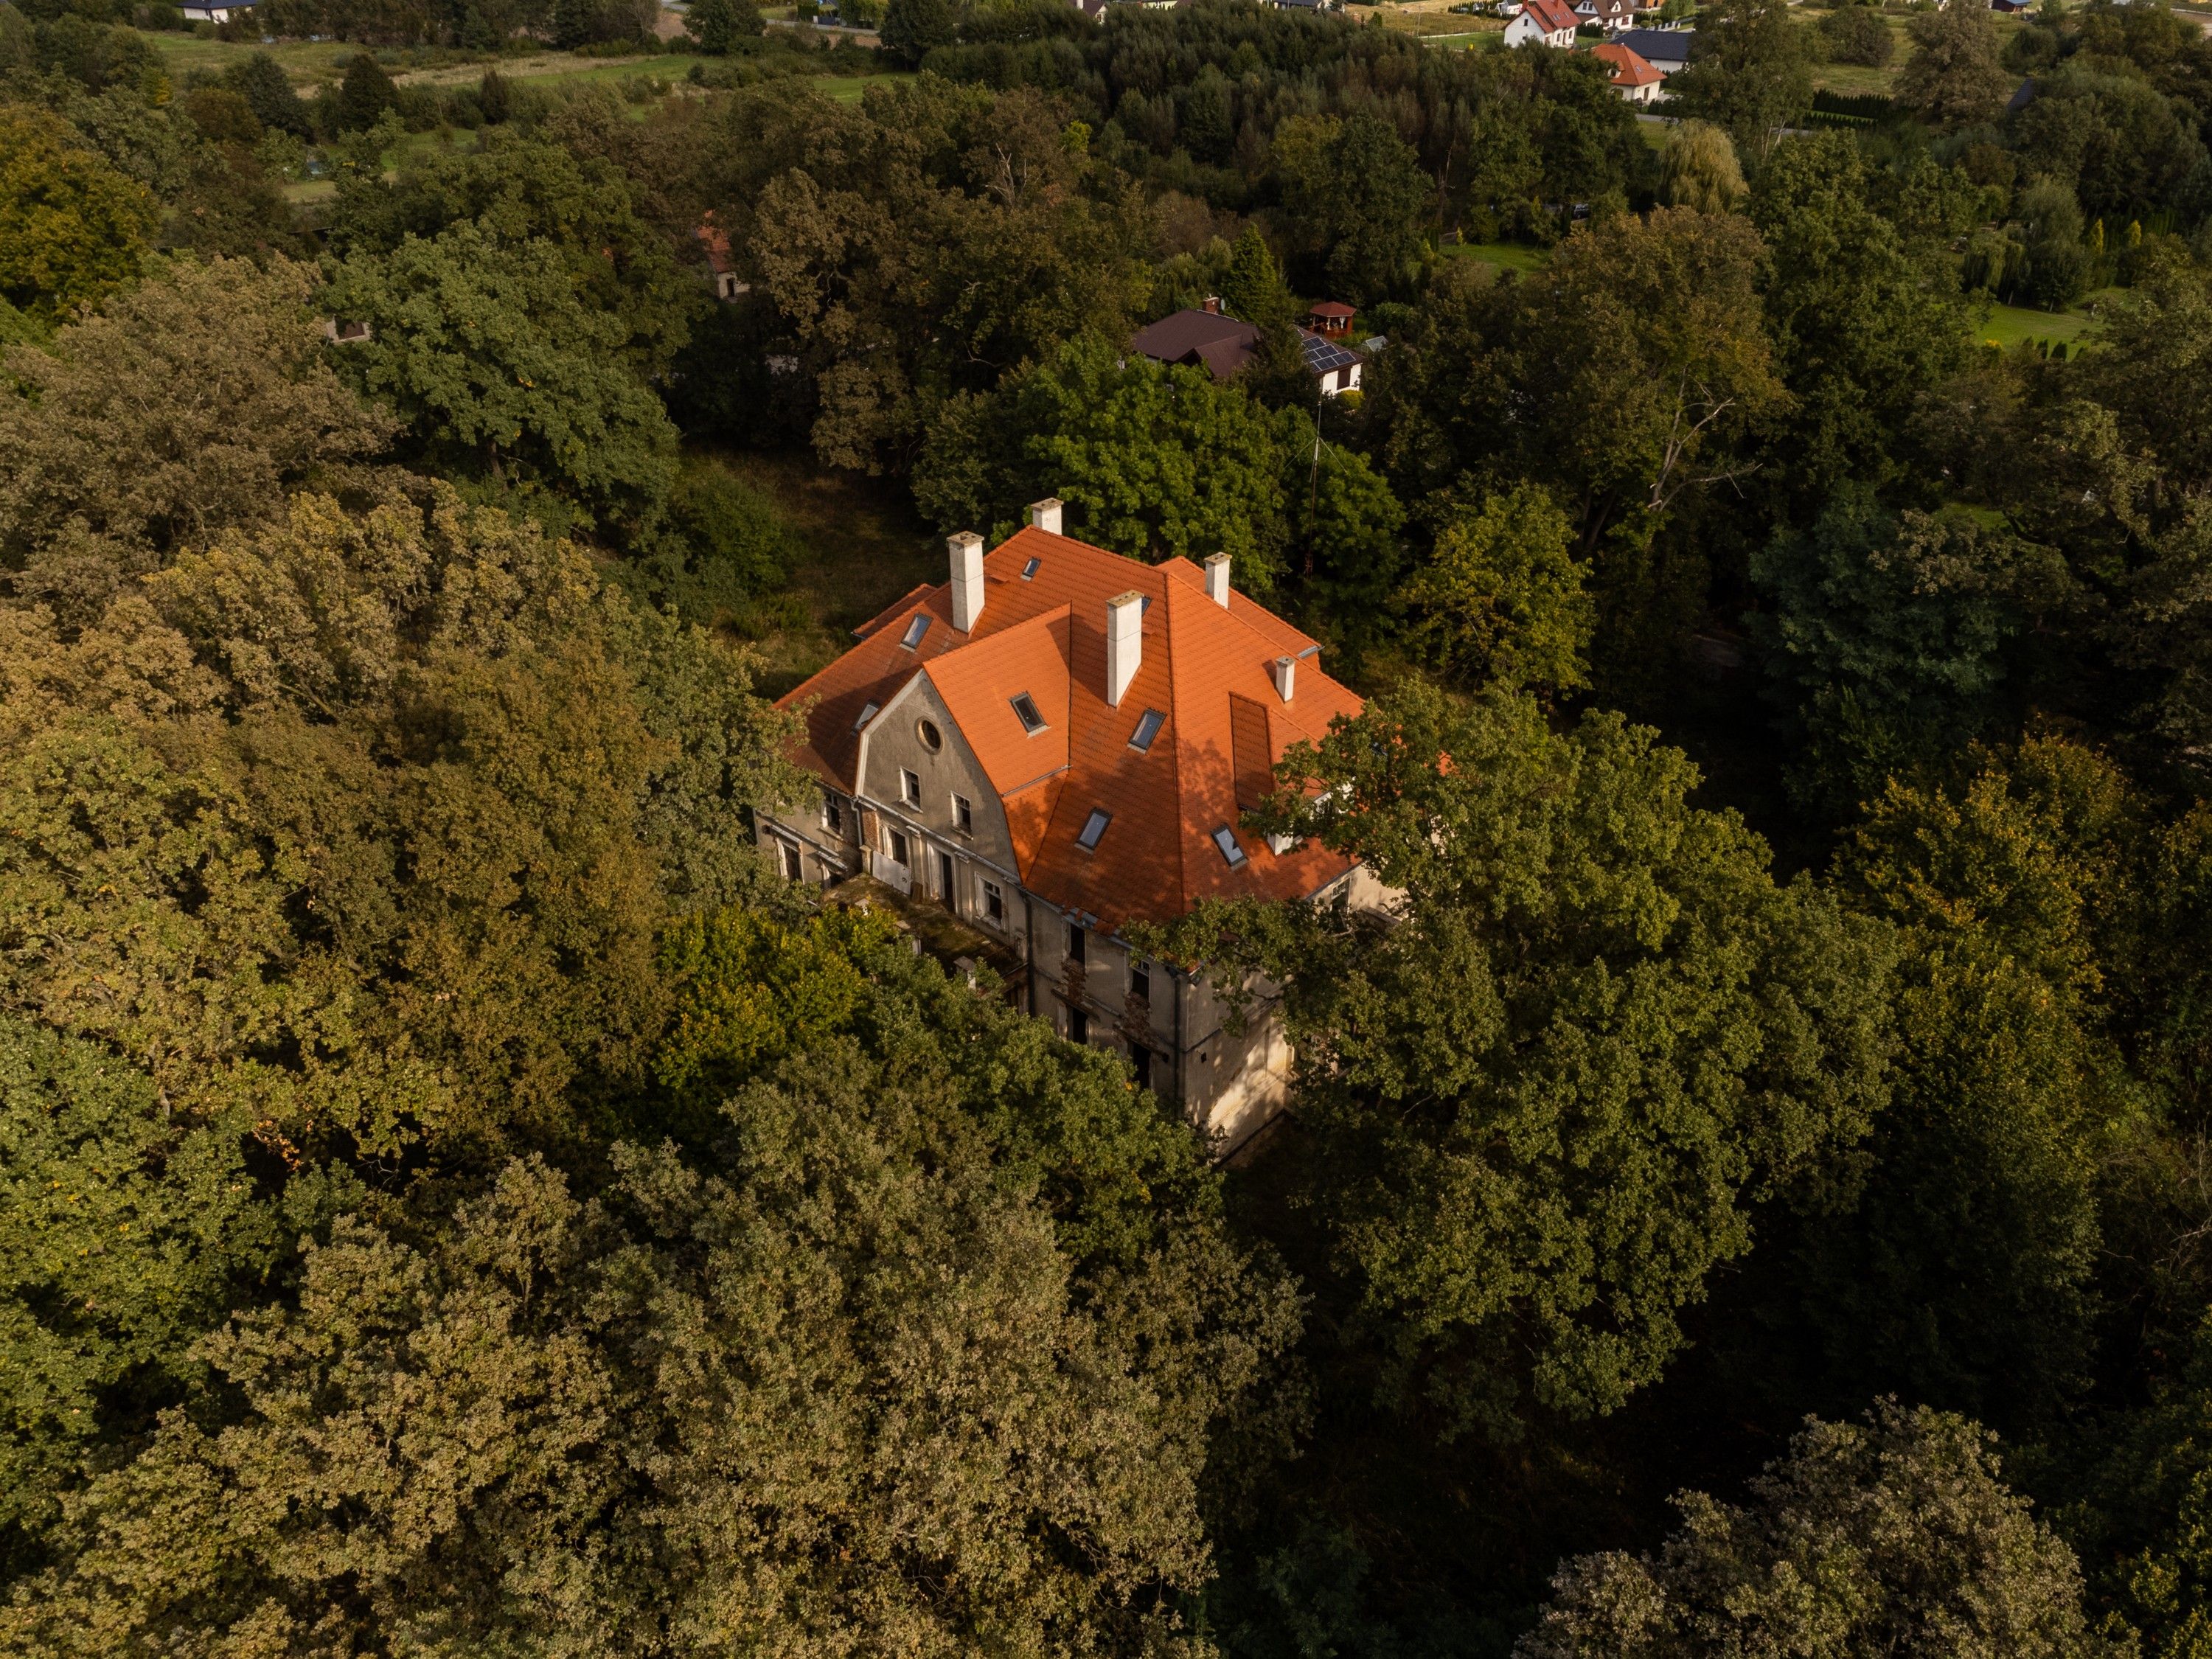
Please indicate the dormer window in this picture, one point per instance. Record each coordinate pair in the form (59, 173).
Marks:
(1026, 711)
(1029, 569)
(1093, 827)
(1225, 841)
(1148, 728)
(866, 715)
(914, 630)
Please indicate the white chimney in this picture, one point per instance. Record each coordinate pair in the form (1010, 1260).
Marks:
(1125, 644)
(967, 578)
(1286, 676)
(1217, 580)
(1045, 515)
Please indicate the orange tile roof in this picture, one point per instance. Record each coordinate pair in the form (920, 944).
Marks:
(1046, 635)
(1552, 16)
(1629, 70)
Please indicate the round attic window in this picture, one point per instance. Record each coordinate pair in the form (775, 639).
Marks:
(931, 739)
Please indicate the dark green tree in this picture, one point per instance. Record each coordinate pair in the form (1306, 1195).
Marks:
(261, 81)
(1502, 596)
(911, 28)
(1893, 641)
(1153, 460)
(1863, 328)
(1254, 289)
(945, 1285)
(1523, 1223)
(1365, 242)
(719, 25)
(517, 189)
(1953, 76)
(502, 373)
(1894, 1537)
(493, 99)
(365, 94)
(126, 1229)
(1748, 73)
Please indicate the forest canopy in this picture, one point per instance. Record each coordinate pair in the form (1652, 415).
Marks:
(1742, 1189)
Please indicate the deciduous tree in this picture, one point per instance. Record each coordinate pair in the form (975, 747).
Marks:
(1502, 597)
(105, 480)
(1953, 76)
(72, 228)
(1528, 1179)
(1895, 1537)
(502, 372)
(1748, 73)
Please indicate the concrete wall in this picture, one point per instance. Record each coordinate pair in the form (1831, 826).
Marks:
(892, 743)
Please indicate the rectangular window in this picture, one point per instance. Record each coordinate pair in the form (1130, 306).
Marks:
(1074, 943)
(944, 878)
(792, 868)
(910, 788)
(914, 630)
(1140, 982)
(901, 852)
(963, 815)
(1093, 827)
(1225, 840)
(1079, 1025)
(1148, 728)
(995, 905)
(1140, 1062)
(833, 815)
(1026, 711)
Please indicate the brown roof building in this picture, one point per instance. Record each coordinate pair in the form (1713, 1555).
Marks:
(1225, 347)
(1054, 743)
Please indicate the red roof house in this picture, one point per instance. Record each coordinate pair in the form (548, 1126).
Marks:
(1055, 744)
(1633, 78)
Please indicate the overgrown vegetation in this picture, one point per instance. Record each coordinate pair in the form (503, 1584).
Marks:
(455, 1197)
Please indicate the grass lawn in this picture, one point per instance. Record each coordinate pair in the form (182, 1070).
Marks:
(1861, 80)
(848, 88)
(1496, 257)
(865, 548)
(309, 62)
(2008, 326)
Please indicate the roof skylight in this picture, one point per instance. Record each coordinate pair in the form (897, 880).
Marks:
(916, 630)
(1025, 710)
(1148, 728)
(1224, 839)
(1093, 827)
(1029, 569)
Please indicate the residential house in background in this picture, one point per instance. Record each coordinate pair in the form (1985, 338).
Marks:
(1543, 23)
(1612, 16)
(1225, 346)
(1667, 51)
(1633, 78)
(1054, 744)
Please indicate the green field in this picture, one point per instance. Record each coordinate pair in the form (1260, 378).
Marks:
(323, 63)
(2008, 326)
(1507, 256)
